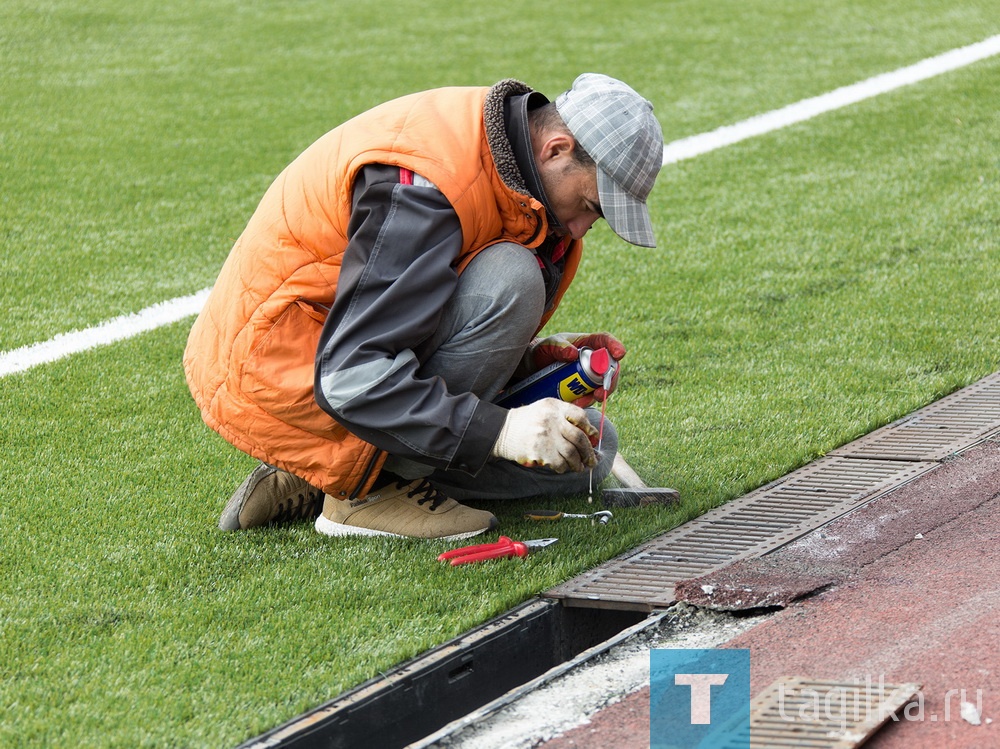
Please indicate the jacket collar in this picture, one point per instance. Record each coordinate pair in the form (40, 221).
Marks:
(520, 138)
(506, 117)
(496, 133)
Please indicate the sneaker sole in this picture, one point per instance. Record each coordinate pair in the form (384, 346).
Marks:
(329, 528)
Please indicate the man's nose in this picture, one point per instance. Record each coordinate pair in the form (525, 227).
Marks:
(580, 226)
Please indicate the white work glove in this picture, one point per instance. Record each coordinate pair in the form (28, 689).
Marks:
(548, 433)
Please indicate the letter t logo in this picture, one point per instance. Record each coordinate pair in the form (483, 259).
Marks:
(701, 694)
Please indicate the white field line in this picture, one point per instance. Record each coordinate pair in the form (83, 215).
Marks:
(117, 329)
(173, 310)
(687, 148)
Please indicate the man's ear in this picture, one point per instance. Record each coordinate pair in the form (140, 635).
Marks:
(555, 146)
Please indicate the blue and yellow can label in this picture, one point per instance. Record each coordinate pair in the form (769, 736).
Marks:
(574, 387)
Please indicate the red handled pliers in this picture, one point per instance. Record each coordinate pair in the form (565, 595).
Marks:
(504, 547)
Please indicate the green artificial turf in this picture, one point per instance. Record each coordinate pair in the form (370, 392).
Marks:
(810, 285)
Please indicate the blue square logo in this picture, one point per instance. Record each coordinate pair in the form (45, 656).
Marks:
(699, 699)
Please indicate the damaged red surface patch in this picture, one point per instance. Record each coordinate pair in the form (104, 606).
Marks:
(915, 600)
(836, 552)
(751, 584)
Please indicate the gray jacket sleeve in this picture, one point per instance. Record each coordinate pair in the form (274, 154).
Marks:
(396, 276)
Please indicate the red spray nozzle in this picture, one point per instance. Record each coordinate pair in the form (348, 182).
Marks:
(600, 361)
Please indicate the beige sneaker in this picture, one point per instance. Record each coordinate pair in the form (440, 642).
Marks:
(414, 509)
(270, 495)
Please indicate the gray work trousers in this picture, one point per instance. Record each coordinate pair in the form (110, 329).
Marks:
(486, 326)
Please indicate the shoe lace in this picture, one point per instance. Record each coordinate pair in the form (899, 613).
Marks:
(430, 494)
(305, 505)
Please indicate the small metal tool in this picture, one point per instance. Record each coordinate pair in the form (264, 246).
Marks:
(600, 518)
(504, 547)
(634, 491)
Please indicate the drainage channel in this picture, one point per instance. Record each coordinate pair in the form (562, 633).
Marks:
(750, 526)
(581, 617)
(784, 510)
(448, 682)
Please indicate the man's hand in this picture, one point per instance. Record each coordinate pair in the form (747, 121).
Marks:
(565, 347)
(548, 433)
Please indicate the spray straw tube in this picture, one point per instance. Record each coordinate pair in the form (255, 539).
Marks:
(565, 381)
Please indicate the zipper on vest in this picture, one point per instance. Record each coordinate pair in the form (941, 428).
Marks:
(364, 477)
(538, 229)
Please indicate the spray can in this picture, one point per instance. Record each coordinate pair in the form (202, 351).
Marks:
(565, 381)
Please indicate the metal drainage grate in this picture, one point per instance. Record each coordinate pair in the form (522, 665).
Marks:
(644, 578)
(953, 423)
(780, 512)
(802, 713)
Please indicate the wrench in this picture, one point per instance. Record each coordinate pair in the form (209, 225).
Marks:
(600, 518)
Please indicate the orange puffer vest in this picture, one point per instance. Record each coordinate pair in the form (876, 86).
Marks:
(251, 353)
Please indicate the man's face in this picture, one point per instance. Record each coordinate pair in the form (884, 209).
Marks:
(572, 193)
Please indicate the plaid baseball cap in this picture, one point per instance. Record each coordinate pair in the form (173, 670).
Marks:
(617, 128)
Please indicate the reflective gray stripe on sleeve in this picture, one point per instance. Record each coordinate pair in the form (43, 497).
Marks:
(340, 387)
